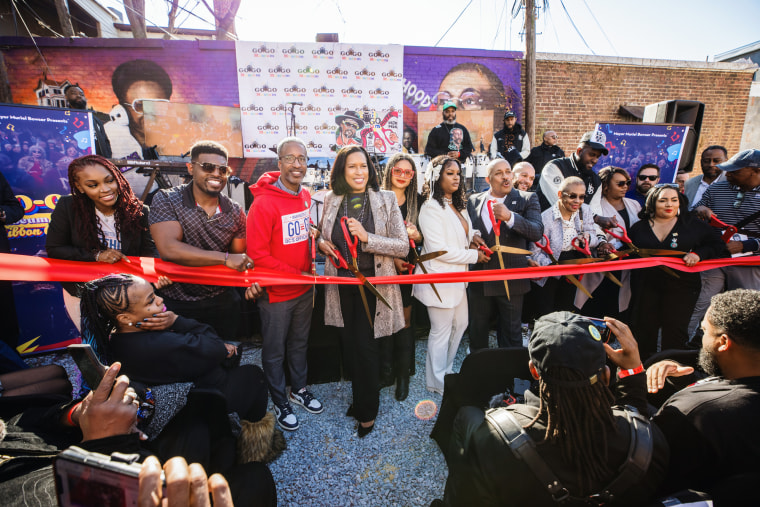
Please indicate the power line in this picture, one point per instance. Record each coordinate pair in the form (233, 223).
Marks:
(600, 28)
(498, 25)
(575, 27)
(31, 35)
(452, 24)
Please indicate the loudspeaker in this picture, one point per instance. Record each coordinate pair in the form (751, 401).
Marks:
(686, 112)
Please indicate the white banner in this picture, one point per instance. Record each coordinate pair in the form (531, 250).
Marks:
(339, 94)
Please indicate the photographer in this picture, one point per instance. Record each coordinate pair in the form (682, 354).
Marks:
(584, 431)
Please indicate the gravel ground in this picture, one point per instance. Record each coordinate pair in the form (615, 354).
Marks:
(327, 464)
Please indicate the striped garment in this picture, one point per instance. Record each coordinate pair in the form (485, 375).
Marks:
(730, 204)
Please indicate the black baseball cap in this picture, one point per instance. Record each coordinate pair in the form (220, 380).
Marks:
(567, 340)
(509, 114)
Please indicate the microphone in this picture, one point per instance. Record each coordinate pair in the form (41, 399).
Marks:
(295, 103)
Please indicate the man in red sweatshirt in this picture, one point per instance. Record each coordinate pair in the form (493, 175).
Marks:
(278, 238)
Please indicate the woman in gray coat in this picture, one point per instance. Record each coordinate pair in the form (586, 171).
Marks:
(374, 219)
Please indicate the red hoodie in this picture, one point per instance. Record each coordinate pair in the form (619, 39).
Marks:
(277, 233)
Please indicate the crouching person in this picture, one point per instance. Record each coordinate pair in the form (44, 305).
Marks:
(584, 440)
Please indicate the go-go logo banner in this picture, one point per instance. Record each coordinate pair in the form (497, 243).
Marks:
(339, 95)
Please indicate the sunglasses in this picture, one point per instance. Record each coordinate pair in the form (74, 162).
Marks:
(137, 104)
(625, 183)
(210, 168)
(643, 177)
(739, 199)
(667, 185)
(574, 197)
(406, 174)
(351, 124)
(290, 159)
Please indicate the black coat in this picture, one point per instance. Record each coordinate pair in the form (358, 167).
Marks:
(13, 212)
(543, 153)
(528, 227)
(509, 143)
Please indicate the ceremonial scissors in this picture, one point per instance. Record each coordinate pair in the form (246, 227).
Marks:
(419, 259)
(728, 230)
(548, 251)
(313, 244)
(643, 252)
(585, 250)
(353, 242)
(496, 225)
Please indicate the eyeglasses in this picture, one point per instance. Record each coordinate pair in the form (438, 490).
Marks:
(625, 183)
(470, 100)
(715, 161)
(210, 168)
(290, 159)
(651, 177)
(137, 104)
(739, 198)
(406, 174)
(574, 197)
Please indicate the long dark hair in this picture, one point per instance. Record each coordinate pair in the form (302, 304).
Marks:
(338, 175)
(457, 198)
(102, 300)
(411, 190)
(128, 208)
(647, 212)
(580, 422)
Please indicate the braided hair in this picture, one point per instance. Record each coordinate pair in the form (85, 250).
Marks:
(457, 198)
(128, 208)
(580, 421)
(102, 300)
(410, 191)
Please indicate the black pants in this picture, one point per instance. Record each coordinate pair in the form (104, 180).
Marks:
(361, 351)
(397, 350)
(659, 301)
(509, 317)
(221, 312)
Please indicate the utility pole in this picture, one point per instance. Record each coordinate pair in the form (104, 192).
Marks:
(530, 69)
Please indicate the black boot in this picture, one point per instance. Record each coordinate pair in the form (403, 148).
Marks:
(386, 361)
(402, 387)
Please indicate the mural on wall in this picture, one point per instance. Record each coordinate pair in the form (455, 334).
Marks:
(330, 95)
(483, 84)
(38, 145)
(632, 145)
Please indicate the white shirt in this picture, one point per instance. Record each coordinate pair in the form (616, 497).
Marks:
(108, 226)
(486, 217)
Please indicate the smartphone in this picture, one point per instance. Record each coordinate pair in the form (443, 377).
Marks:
(604, 330)
(88, 363)
(91, 479)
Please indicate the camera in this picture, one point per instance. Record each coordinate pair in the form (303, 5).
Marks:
(91, 479)
(603, 329)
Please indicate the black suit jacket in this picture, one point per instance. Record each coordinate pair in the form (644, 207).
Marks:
(528, 227)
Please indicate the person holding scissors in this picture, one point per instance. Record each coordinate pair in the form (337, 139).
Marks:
(362, 230)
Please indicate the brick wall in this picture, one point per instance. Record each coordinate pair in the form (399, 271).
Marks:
(573, 95)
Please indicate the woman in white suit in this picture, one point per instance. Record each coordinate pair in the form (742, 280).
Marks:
(445, 224)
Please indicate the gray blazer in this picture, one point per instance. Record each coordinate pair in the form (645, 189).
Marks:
(389, 240)
(692, 184)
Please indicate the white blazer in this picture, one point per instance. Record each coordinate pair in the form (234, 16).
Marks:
(443, 230)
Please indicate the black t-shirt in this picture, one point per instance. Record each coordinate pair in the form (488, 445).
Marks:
(712, 429)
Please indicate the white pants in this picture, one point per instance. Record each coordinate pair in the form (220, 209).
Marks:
(447, 326)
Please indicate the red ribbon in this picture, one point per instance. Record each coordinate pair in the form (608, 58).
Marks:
(40, 269)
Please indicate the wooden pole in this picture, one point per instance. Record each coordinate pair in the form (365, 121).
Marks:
(530, 70)
(64, 17)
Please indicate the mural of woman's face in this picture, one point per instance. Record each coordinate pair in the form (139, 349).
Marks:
(141, 90)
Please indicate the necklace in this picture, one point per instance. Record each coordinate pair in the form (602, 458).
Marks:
(446, 200)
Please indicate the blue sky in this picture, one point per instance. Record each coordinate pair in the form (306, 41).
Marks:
(664, 29)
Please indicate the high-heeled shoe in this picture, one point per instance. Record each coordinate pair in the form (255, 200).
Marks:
(363, 431)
